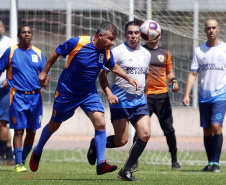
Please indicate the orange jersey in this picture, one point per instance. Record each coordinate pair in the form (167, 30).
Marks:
(159, 65)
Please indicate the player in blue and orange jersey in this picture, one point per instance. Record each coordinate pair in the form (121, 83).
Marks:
(76, 87)
(24, 62)
(6, 153)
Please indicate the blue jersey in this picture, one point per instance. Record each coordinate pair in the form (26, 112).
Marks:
(23, 67)
(83, 66)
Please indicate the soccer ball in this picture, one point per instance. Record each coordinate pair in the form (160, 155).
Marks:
(150, 30)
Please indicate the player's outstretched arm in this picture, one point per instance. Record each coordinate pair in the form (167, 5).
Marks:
(50, 61)
(113, 99)
(119, 71)
(190, 82)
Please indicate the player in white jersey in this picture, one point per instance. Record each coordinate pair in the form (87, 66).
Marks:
(210, 59)
(127, 104)
(6, 155)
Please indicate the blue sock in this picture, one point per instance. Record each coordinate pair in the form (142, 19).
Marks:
(18, 155)
(3, 146)
(46, 134)
(26, 151)
(100, 143)
(208, 143)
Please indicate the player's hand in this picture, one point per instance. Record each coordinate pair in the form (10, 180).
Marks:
(42, 78)
(175, 85)
(134, 83)
(113, 99)
(186, 101)
(46, 83)
(4, 84)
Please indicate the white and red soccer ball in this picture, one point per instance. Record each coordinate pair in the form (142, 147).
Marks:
(150, 30)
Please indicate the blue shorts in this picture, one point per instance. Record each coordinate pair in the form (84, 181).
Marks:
(65, 105)
(4, 104)
(132, 114)
(25, 109)
(212, 113)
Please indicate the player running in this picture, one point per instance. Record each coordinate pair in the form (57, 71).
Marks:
(76, 87)
(127, 104)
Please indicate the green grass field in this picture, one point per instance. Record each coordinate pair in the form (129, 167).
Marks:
(71, 172)
(82, 173)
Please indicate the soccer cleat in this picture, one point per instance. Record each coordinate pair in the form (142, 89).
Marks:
(34, 161)
(20, 168)
(91, 155)
(176, 166)
(135, 167)
(9, 162)
(2, 161)
(216, 168)
(104, 167)
(126, 176)
(208, 168)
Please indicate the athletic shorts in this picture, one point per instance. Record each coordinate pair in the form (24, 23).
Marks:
(212, 113)
(25, 109)
(160, 105)
(4, 104)
(132, 114)
(65, 105)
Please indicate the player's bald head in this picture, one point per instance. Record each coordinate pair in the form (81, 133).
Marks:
(211, 20)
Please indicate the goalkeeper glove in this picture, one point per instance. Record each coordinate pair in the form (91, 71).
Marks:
(175, 85)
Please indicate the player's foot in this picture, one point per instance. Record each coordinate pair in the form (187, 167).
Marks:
(126, 176)
(20, 168)
(10, 162)
(216, 168)
(23, 161)
(176, 166)
(2, 161)
(135, 167)
(105, 168)
(208, 168)
(91, 155)
(34, 161)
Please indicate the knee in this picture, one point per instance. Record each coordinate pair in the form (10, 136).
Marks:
(145, 137)
(121, 142)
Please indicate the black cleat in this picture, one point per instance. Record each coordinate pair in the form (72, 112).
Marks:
(126, 176)
(176, 166)
(104, 167)
(91, 155)
(135, 167)
(216, 168)
(208, 168)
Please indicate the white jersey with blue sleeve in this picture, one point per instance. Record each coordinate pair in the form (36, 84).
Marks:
(136, 64)
(211, 61)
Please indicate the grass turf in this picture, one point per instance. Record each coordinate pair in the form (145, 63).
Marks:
(82, 173)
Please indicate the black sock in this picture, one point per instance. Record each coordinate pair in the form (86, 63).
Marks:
(208, 143)
(110, 142)
(217, 145)
(9, 153)
(3, 146)
(172, 144)
(135, 152)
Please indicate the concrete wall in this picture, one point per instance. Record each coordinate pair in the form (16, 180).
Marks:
(186, 123)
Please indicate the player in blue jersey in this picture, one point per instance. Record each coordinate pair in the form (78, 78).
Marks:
(24, 62)
(210, 59)
(76, 87)
(127, 104)
(6, 153)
